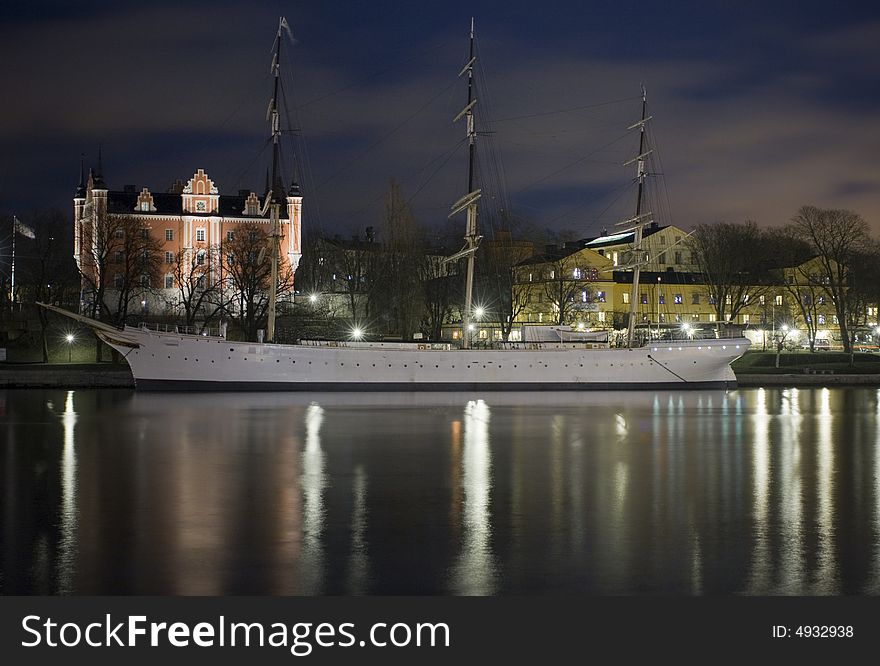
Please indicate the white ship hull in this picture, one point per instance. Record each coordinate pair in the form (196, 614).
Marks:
(172, 361)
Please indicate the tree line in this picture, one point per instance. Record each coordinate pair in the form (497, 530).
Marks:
(822, 256)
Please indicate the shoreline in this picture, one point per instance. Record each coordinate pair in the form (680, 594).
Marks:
(104, 375)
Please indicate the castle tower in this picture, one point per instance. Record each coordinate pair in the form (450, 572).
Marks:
(294, 233)
(79, 203)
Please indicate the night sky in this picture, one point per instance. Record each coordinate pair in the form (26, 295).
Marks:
(756, 110)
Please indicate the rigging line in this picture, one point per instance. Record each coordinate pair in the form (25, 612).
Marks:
(367, 77)
(445, 161)
(569, 110)
(259, 154)
(568, 166)
(658, 153)
(384, 137)
(619, 192)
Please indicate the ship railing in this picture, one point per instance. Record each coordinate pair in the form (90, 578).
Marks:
(181, 330)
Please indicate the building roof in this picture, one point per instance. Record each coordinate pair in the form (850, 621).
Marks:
(229, 205)
(621, 238)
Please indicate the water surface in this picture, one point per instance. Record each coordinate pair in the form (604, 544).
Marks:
(754, 491)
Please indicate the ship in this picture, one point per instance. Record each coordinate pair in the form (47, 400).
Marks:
(170, 360)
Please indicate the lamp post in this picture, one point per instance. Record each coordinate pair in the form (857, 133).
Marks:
(69, 338)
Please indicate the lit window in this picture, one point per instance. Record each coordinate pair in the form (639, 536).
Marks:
(728, 300)
(200, 235)
(626, 298)
(484, 334)
(614, 258)
(834, 320)
(169, 234)
(821, 319)
(576, 273)
(695, 317)
(600, 296)
(601, 315)
(678, 318)
(644, 299)
(745, 319)
(677, 299)
(662, 299)
(145, 206)
(778, 299)
(712, 317)
(583, 297)
(761, 299)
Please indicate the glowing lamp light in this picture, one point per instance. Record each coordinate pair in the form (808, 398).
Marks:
(69, 338)
(470, 327)
(357, 333)
(479, 311)
(580, 326)
(313, 298)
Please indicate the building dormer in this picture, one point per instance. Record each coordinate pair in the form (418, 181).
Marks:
(251, 205)
(145, 202)
(200, 195)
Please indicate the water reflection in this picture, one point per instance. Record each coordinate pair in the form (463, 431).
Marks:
(313, 482)
(66, 560)
(473, 572)
(766, 491)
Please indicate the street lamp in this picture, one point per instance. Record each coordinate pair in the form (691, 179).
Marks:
(69, 338)
(313, 298)
(357, 333)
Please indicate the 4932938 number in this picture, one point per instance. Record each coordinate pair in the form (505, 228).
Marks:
(824, 631)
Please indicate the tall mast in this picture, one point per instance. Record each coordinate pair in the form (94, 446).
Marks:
(277, 191)
(469, 200)
(640, 219)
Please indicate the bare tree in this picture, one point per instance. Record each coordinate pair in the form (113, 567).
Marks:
(198, 288)
(49, 273)
(734, 261)
(563, 280)
(836, 236)
(248, 270)
(121, 262)
(137, 264)
(796, 274)
(396, 298)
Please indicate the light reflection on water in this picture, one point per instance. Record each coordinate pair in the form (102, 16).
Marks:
(761, 491)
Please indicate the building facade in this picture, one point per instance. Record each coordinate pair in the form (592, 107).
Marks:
(188, 224)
